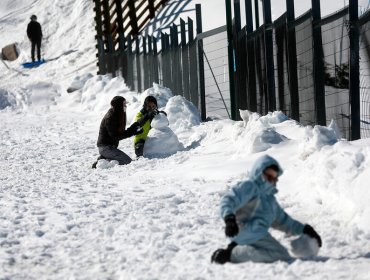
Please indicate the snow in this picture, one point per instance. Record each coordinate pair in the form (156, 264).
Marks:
(305, 247)
(158, 217)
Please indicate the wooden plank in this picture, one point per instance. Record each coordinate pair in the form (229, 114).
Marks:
(132, 15)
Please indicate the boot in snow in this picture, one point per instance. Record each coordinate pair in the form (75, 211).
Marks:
(222, 256)
(96, 162)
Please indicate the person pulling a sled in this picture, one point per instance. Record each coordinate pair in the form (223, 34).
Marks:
(144, 118)
(249, 209)
(112, 130)
(34, 33)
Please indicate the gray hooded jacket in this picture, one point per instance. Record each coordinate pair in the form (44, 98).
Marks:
(254, 204)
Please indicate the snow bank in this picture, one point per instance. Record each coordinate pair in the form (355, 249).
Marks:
(259, 131)
(6, 99)
(182, 114)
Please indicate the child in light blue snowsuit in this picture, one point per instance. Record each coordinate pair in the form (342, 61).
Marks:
(249, 209)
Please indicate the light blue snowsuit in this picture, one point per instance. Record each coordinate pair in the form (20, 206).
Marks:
(254, 204)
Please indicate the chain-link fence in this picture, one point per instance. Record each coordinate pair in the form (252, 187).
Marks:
(310, 81)
(365, 77)
(335, 43)
(216, 75)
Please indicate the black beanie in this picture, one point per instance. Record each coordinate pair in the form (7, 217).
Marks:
(117, 102)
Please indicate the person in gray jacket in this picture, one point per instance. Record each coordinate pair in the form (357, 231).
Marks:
(249, 209)
(112, 130)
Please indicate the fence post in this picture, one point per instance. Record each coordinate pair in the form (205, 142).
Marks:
(133, 18)
(130, 68)
(318, 65)
(237, 15)
(168, 62)
(251, 80)
(122, 58)
(150, 60)
(249, 16)
(99, 36)
(138, 64)
(155, 61)
(256, 13)
(354, 71)
(111, 59)
(269, 56)
(101, 57)
(146, 70)
(174, 83)
(292, 61)
(193, 66)
(185, 60)
(164, 65)
(120, 30)
(239, 61)
(177, 60)
(106, 24)
(230, 52)
(202, 94)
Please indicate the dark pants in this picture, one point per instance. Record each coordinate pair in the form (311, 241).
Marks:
(112, 153)
(139, 148)
(36, 43)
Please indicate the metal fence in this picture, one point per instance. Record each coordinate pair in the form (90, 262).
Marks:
(335, 43)
(305, 78)
(216, 73)
(301, 66)
(365, 76)
(175, 60)
(312, 65)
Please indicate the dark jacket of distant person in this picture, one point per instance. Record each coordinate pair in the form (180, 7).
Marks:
(34, 31)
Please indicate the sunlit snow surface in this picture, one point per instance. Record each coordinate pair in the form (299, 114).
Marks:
(158, 217)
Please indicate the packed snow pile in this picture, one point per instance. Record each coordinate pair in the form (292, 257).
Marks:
(161, 141)
(261, 131)
(305, 247)
(182, 114)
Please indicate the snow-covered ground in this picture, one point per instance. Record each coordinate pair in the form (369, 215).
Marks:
(156, 218)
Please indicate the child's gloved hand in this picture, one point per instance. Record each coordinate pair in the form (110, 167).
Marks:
(231, 228)
(312, 233)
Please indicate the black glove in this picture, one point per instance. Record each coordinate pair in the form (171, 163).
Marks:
(312, 233)
(231, 228)
(152, 113)
(162, 112)
(135, 129)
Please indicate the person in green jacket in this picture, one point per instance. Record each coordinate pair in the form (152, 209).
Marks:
(144, 118)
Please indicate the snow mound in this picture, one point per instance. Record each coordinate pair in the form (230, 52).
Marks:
(182, 114)
(160, 121)
(161, 93)
(319, 137)
(78, 82)
(99, 90)
(162, 141)
(6, 99)
(271, 117)
(259, 132)
(305, 247)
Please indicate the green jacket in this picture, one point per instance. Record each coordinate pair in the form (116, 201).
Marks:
(146, 127)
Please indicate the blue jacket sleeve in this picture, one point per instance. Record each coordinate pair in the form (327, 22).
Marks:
(286, 223)
(237, 197)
